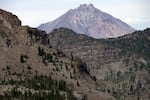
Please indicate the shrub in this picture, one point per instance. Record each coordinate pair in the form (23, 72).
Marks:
(23, 58)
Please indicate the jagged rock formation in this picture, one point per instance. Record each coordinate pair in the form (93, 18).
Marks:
(90, 21)
(115, 64)
(8, 19)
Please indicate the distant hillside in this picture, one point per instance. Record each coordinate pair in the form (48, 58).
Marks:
(88, 20)
(118, 65)
(137, 42)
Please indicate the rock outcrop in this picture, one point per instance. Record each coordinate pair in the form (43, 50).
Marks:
(9, 19)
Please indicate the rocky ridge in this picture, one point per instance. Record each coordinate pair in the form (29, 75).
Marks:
(112, 63)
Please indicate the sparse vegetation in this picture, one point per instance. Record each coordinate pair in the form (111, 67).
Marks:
(78, 83)
(39, 87)
(29, 68)
(46, 57)
(23, 58)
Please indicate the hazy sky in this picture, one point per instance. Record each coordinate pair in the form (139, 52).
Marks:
(35, 12)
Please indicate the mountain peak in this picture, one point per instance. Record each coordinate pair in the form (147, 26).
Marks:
(88, 20)
(86, 6)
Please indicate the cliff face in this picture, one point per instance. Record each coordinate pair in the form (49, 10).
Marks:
(17, 40)
(9, 19)
(109, 61)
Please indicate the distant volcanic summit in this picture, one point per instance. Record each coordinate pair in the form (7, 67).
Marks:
(88, 20)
